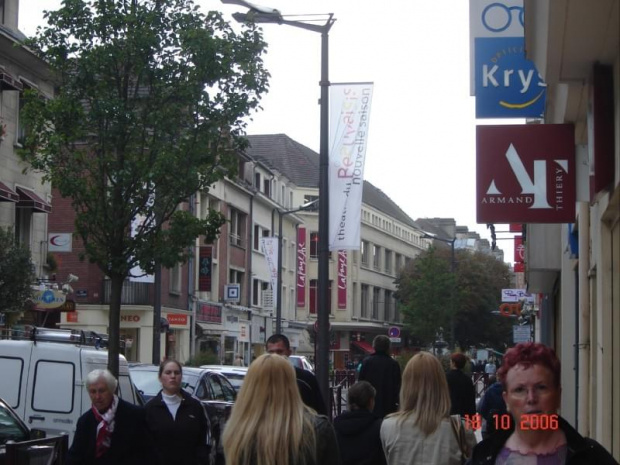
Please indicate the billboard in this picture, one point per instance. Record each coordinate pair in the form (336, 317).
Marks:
(525, 174)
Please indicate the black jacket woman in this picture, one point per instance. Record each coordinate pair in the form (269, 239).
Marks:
(177, 422)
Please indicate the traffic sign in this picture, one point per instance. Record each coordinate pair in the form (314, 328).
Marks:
(394, 331)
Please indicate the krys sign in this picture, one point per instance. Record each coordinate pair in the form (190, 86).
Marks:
(525, 174)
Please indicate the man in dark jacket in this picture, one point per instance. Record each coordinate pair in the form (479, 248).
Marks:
(113, 431)
(358, 430)
(306, 381)
(491, 406)
(462, 392)
(383, 372)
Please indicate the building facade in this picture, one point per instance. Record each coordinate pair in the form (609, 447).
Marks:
(576, 267)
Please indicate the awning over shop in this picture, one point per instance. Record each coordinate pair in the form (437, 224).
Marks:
(28, 199)
(364, 346)
(210, 329)
(7, 195)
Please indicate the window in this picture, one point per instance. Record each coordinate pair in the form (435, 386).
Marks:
(376, 301)
(376, 257)
(259, 232)
(260, 293)
(388, 261)
(314, 245)
(284, 253)
(365, 253)
(175, 279)
(398, 258)
(314, 296)
(389, 305)
(257, 180)
(365, 300)
(237, 227)
(267, 187)
(23, 226)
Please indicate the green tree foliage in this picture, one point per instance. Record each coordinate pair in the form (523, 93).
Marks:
(430, 294)
(16, 273)
(149, 110)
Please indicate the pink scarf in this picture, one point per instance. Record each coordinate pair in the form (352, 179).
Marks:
(105, 428)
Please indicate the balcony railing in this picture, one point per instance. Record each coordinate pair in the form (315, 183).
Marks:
(133, 293)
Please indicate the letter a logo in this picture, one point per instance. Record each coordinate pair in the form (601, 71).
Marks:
(536, 187)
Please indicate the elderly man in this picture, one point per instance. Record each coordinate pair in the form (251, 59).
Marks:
(113, 431)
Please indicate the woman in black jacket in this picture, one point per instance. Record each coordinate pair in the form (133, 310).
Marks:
(178, 422)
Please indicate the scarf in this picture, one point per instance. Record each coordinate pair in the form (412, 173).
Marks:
(105, 428)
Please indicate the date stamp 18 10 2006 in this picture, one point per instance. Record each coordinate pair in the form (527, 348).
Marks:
(534, 421)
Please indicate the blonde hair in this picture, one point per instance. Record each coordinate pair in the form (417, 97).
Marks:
(269, 424)
(424, 393)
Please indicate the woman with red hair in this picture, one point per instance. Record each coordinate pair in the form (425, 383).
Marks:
(532, 432)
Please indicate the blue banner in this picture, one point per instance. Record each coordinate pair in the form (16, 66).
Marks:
(507, 84)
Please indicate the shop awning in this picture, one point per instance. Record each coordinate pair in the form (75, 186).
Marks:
(211, 329)
(28, 199)
(7, 195)
(364, 346)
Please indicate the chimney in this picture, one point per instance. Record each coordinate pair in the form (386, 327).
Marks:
(9, 13)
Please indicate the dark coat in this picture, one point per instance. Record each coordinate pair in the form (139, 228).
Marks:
(581, 451)
(462, 393)
(358, 437)
(309, 390)
(184, 440)
(130, 441)
(326, 444)
(383, 372)
(491, 404)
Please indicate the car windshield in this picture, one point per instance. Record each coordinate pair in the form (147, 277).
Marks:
(10, 429)
(146, 381)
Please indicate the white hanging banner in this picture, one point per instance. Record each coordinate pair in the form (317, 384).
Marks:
(348, 132)
(269, 246)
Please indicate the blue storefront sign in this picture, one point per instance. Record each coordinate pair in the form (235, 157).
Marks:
(507, 84)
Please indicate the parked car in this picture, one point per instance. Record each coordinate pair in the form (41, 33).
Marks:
(212, 388)
(234, 374)
(30, 442)
(300, 361)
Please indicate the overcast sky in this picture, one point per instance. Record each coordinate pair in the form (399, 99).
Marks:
(421, 147)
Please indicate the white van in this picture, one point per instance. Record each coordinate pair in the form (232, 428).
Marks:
(42, 377)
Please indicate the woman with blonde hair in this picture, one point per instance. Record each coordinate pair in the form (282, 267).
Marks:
(270, 425)
(422, 431)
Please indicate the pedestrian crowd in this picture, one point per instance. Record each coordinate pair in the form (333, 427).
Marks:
(423, 416)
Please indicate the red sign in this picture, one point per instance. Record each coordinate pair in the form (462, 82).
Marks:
(519, 250)
(176, 319)
(204, 268)
(525, 173)
(515, 227)
(206, 313)
(342, 279)
(301, 267)
(519, 267)
(72, 317)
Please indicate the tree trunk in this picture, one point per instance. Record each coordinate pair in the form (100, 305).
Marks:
(114, 323)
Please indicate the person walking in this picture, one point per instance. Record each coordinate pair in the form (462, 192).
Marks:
(357, 430)
(270, 424)
(462, 392)
(112, 431)
(422, 431)
(383, 372)
(306, 381)
(178, 422)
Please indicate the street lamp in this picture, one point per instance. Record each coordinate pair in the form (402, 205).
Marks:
(426, 235)
(281, 214)
(260, 14)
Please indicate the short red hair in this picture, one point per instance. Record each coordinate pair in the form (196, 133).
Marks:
(528, 354)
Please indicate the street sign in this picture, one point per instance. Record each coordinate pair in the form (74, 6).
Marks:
(394, 332)
(395, 339)
(521, 333)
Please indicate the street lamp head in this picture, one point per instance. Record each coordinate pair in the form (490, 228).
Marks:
(253, 7)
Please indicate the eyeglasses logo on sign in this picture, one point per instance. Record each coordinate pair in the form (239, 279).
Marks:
(525, 173)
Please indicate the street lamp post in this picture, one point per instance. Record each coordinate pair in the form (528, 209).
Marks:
(281, 215)
(452, 270)
(259, 14)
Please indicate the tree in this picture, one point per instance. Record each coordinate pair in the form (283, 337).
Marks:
(431, 297)
(16, 274)
(150, 110)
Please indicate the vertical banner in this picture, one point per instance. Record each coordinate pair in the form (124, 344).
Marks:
(342, 279)
(269, 246)
(349, 118)
(519, 250)
(301, 267)
(205, 260)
